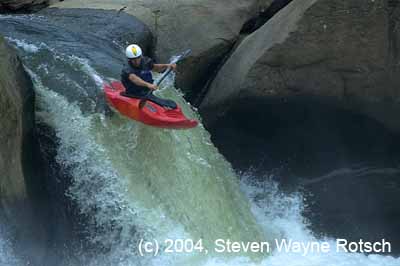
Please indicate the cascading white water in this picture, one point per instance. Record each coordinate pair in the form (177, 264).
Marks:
(128, 176)
(139, 182)
(284, 213)
(7, 255)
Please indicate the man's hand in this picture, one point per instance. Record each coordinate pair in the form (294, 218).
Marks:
(173, 66)
(152, 87)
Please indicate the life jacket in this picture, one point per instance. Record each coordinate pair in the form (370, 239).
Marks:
(143, 72)
(146, 76)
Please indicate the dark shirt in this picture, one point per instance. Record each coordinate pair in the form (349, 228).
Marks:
(143, 72)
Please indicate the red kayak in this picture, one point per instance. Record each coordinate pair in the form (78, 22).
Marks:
(151, 114)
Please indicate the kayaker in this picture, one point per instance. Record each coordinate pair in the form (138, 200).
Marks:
(137, 78)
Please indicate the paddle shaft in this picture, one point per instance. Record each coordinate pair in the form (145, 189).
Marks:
(158, 82)
(165, 74)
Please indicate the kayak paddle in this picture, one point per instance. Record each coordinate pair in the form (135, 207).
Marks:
(174, 60)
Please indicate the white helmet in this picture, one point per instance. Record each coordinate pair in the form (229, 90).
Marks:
(133, 51)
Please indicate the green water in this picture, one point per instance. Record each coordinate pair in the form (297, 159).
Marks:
(180, 174)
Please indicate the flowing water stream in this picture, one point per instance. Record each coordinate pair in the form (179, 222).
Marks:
(136, 182)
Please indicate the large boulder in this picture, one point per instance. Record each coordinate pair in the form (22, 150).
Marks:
(18, 178)
(334, 51)
(14, 5)
(267, 10)
(209, 28)
(16, 119)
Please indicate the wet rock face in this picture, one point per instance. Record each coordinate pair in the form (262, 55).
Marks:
(22, 200)
(266, 13)
(24, 5)
(337, 50)
(16, 119)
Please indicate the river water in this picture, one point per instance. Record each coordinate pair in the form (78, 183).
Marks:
(135, 182)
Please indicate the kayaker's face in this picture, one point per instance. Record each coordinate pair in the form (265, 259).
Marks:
(136, 61)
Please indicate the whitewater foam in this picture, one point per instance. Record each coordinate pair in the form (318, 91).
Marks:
(7, 255)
